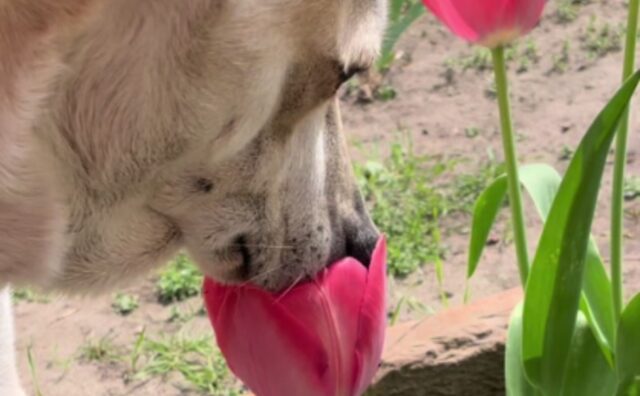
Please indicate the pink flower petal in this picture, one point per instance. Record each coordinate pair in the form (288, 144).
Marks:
(489, 22)
(322, 338)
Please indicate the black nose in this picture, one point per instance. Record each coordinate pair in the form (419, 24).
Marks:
(361, 241)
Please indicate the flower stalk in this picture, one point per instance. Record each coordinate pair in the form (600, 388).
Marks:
(617, 202)
(511, 160)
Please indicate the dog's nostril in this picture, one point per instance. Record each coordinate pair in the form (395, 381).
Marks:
(240, 243)
(360, 245)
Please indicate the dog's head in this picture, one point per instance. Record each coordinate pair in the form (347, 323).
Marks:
(270, 198)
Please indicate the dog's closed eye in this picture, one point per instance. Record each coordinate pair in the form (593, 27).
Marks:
(347, 72)
(203, 184)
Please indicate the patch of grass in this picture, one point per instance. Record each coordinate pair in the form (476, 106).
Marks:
(632, 188)
(567, 11)
(409, 195)
(412, 304)
(466, 187)
(385, 93)
(600, 39)
(124, 304)
(561, 61)
(405, 205)
(472, 132)
(179, 281)
(479, 59)
(197, 359)
(527, 56)
(28, 295)
(101, 350)
(402, 14)
(33, 371)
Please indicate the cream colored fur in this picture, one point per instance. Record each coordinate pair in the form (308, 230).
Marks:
(132, 129)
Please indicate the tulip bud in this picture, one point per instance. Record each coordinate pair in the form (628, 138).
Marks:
(321, 338)
(490, 23)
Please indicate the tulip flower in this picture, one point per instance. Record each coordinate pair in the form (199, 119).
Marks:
(495, 23)
(488, 22)
(321, 338)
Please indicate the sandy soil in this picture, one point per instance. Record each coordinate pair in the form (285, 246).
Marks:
(552, 111)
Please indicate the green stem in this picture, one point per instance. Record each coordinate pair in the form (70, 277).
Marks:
(617, 202)
(509, 148)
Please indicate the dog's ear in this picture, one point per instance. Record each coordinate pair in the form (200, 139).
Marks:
(361, 24)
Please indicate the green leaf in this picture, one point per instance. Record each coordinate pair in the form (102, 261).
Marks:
(516, 381)
(628, 348)
(587, 372)
(485, 211)
(399, 24)
(542, 182)
(553, 289)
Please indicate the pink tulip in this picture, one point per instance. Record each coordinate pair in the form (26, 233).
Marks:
(488, 22)
(322, 338)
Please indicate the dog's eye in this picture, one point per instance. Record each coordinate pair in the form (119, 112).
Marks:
(347, 72)
(203, 184)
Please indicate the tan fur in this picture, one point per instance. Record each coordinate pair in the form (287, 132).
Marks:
(131, 129)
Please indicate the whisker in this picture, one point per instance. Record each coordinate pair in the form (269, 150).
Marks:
(288, 289)
(262, 246)
(261, 274)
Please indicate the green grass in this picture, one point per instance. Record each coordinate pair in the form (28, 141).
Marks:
(124, 304)
(100, 350)
(28, 295)
(409, 196)
(561, 60)
(479, 58)
(196, 359)
(33, 371)
(178, 281)
(405, 206)
(599, 39)
(631, 188)
(566, 12)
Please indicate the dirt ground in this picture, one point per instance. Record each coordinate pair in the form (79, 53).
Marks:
(555, 100)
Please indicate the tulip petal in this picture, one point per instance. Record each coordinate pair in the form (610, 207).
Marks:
(490, 22)
(252, 330)
(371, 331)
(330, 305)
(323, 337)
(450, 16)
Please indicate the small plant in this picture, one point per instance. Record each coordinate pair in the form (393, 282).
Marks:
(124, 304)
(385, 93)
(566, 153)
(561, 61)
(601, 39)
(405, 205)
(33, 371)
(101, 350)
(566, 12)
(179, 281)
(472, 132)
(402, 14)
(196, 359)
(468, 186)
(631, 188)
(28, 295)
(408, 201)
(527, 57)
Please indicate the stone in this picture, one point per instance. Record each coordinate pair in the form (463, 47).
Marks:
(458, 352)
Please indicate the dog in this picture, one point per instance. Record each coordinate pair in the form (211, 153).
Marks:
(130, 130)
